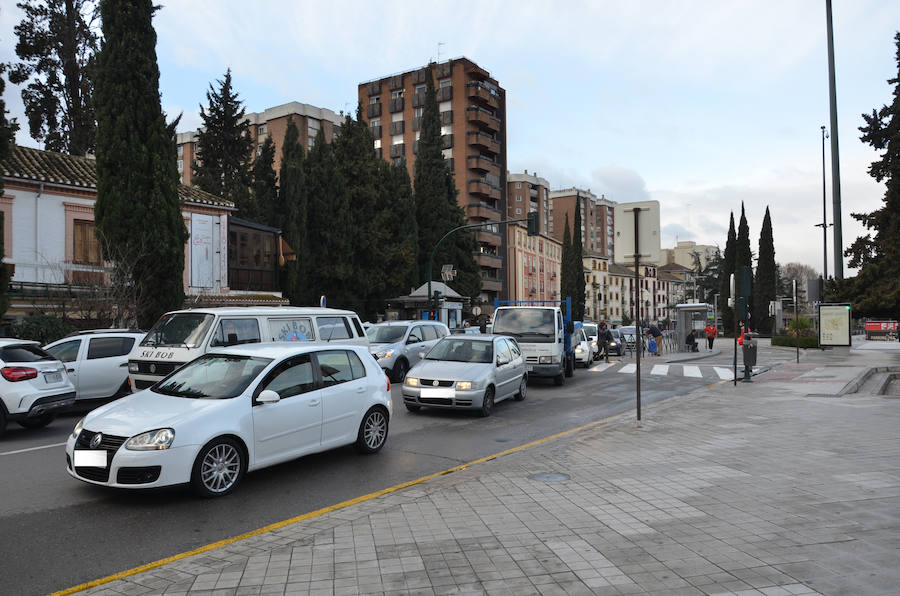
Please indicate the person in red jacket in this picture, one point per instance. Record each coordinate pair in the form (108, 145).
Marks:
(710, 335)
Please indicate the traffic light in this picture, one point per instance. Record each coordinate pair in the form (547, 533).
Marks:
(534, 224)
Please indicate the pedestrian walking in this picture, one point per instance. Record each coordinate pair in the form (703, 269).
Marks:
(604, 336)
(710, 335)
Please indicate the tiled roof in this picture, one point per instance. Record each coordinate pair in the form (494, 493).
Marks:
(616, 269)
(666, 276)
(27, 163)
(673, 267)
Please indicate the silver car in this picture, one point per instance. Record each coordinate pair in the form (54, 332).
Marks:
(467, 371)
(396, 345)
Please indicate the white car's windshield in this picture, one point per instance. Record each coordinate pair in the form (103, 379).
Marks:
(387, 334)
(526, 324)
(462, 350)
(213, 376)
(186, 330)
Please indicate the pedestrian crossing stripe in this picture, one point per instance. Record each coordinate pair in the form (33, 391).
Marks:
(683, 370)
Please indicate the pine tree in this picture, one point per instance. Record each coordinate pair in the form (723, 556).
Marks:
(726, 268)
(289, 213)
(764, 286)
(224, 147)
(578, 290)
(437, 211)
(875, 290)
(264, 192)
(57, 44)
(328, 231)
(138, 212)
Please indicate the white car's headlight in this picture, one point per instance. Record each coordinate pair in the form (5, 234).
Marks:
(133, 367)
(578, 350)
(79, 426)
(464, 385)
(412, 381)
(387, 354)
(152, 440)
(593, 344)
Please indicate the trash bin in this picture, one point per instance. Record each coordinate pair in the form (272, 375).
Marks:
(749, 354)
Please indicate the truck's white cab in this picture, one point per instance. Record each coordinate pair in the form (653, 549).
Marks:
(183, 335)
(541, 332)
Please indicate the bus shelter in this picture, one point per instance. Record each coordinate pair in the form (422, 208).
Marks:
(692, 316)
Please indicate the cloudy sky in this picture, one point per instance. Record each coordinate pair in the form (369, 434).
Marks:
(700, 105)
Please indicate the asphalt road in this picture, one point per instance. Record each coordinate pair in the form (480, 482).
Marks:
(59, 532)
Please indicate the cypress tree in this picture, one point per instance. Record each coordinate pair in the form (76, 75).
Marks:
(875, 290)
(566, 281)
(138, 212)
(744, 257)
(289, 214)
(764, 285)
(437, 211)
(264, 192)
(578, 291)
(224, 147)
(726, 268)
(358, 167)
(399, 209)
(327, 229)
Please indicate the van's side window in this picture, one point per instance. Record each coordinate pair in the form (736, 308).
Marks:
(236, 331)
(293, 329)
(359, 329)
(332, 328)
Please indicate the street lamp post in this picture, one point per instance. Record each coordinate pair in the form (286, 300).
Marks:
(824, 225)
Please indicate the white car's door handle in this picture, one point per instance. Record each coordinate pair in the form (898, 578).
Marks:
(361, 390)
(314, 403)
(70, 370)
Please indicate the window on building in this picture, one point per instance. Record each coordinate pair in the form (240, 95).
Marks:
(396, 139)
(446, 130)
(421, 89)
(86, 248)
(518, 211)
(518, 185)
(444, 83)
(375, 122)
(261, 130)
(419, 112)
(375, 99)
(396, 94)
(378, 143)
(447, 153)
(396, 116)
(518, 198)
(180, 150)
(445, 106)
(180, 165)
(259, 150)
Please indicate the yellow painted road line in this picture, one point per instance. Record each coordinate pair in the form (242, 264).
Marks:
(317, 513)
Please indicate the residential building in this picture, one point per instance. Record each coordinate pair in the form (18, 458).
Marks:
(596, 291)
(597, 219)
(526, 193)
(473, 126)
(48, 232)
(654, 293)
(269, 123)
(684, 252)
(534, 265)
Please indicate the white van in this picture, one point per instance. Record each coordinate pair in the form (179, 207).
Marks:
(182, 335)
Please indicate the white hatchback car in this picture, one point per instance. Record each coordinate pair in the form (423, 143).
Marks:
(234, 410)
(33, 384)
(97, 361)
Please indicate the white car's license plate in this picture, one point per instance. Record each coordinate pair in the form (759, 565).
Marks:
(438, 392)
(53, 377)
(90, 459)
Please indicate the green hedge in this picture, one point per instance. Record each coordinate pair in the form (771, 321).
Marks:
(805, 342)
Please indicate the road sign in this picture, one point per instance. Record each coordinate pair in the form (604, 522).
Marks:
(448, 273)
(647, 230)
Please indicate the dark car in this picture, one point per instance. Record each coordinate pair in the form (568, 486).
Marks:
(617, 344)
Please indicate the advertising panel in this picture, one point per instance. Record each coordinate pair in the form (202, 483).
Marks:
(834, 325)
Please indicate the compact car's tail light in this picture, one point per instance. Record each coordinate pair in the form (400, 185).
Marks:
(18, 373)
(388, 380)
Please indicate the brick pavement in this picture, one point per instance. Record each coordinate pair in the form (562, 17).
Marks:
(762, 488)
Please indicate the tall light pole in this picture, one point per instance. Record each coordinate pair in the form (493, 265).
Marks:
(835, 160)
(824, 225)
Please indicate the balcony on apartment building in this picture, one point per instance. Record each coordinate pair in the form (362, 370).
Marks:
(487, 237)
(376, 131)
(486, 259)
(395, 105)
(397, 128)
(483, 141)
(490, 282)
(373, 110)
(483, 117)
(481, 186)
(483, 163)
(480, 210)
(482, 92)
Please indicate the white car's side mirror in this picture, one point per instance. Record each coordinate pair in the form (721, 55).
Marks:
(267, 396)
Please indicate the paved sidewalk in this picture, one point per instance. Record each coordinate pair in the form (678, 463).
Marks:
(780, 486)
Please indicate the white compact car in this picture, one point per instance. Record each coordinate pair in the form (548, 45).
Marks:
(97, 361)
(585, 349)
(33, 384)
(234, 410)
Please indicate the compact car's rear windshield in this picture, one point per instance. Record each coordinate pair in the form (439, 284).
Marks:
(213, 376)
(183, 330)
(387, 334)
(24, 353)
